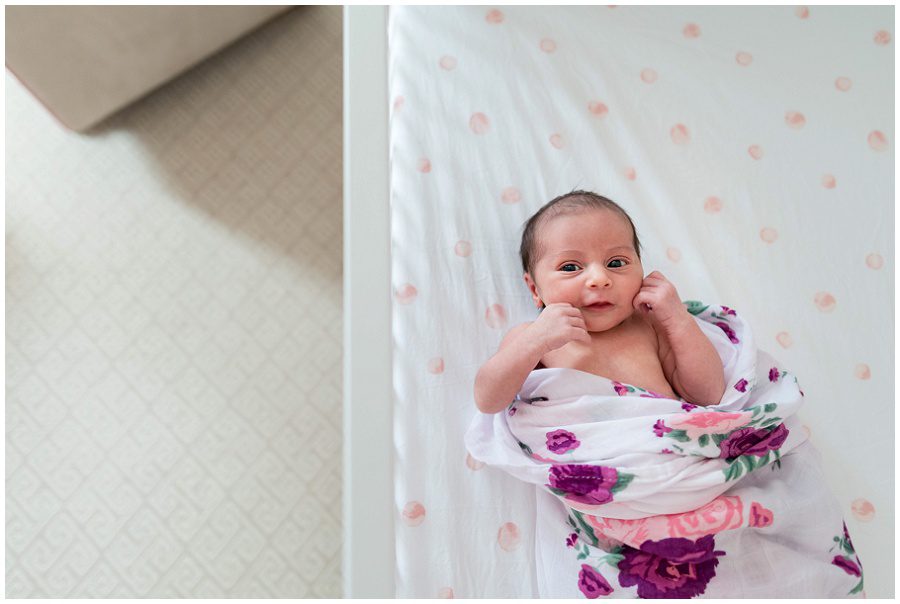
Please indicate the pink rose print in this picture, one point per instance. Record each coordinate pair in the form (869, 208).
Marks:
(710, 422)
(660, 428)
(621, 389)
(741, 386)
(688, 406)
(721, 514)
(592, 584)
(571, 540)
(728, 311)
(668, 451)
(774, 374)
(560, 441)
(728, 331)
(759, 516)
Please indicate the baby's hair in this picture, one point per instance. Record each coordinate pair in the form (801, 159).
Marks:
(569, 202)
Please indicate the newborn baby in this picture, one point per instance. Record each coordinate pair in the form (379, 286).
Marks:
(599, 313)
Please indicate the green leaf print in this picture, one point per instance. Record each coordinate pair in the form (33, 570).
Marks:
(703, 440)
(695, 307)
(584, 528)
(525, 447)
(622, 482)
(770, 407)
(679, 435)
(718, 438)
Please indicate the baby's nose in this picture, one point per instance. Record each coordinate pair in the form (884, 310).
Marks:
(598, 276)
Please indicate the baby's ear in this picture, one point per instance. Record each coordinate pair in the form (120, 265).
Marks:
(532, 287)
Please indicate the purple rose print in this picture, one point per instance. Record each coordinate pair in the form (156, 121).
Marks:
(667, 450)
(850, 567)
(688, 406)
(584, 483)
(774, 374)
(660, 428)
(728, 311)
(621, 389)
(571, 540)
(560, 441)
(751, 441)
(670, 568)
(741, 386)
(728, 331)
(512, 411)
(592, 584)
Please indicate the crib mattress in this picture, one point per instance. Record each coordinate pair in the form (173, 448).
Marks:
(752, 146)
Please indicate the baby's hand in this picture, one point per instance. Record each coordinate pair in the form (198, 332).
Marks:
(557, 325)
(659, 301)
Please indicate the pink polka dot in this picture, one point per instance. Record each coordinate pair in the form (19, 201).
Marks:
(802, 12)
(874, 261)
(743, 58)
(712, 205)
(691, 30)
(649, 75)
(495, 316)
(473, 464)
(494, 17)
(828, 181)
(784, 339)
(548, 45)
(680, 134)
(862, 372)
(862, 509)
(674, 254)
(510, 195)
(877, 140)
(463, 248)
(755, 151)
(825, 301)
(398, 103)
(479, 123)
(794, 119)
(557, 141)
(598, 108)
(843, 84)
(445, 593)
(436, 365)
(882, 38)
(447, 62)
(406, 294)
(424, 165)
(630, 173)
(413, 513)
(508, 537)
(768, 234)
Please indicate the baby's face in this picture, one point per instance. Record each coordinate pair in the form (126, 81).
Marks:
(588, 260)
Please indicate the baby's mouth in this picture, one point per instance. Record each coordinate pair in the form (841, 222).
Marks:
(599, 306)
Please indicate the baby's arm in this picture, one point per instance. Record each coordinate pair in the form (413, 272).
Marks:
(499, 380)
(691, 363)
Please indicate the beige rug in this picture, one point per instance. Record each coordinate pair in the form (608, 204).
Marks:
(173, 332)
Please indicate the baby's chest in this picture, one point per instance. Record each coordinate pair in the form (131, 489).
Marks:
(633, 361)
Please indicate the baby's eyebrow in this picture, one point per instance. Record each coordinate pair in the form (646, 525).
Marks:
(610, 249)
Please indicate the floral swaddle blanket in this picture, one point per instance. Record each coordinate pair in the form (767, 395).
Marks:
(645, 496)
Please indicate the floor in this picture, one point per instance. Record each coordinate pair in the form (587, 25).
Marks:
(173, 332)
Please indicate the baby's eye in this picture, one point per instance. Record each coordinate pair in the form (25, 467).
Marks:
(569, 267)
(620, 265)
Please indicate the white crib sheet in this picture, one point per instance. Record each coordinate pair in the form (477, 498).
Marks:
(753, 147)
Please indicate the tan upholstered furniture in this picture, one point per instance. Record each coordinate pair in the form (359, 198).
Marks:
(86, 62)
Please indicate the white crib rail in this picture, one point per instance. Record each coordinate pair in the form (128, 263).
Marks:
(368, 510)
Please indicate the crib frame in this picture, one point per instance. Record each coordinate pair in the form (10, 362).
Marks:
(368, 556)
